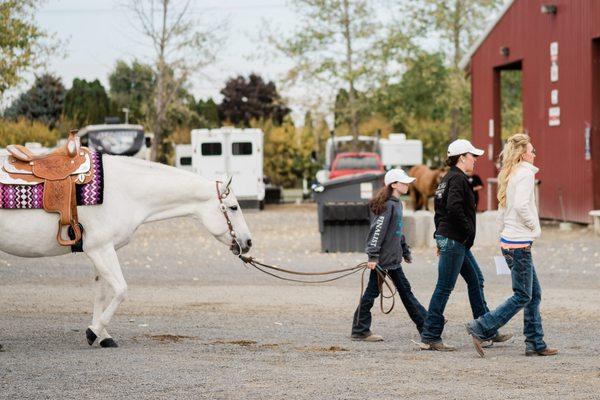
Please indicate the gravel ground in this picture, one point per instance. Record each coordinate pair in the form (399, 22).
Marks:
(197, 324)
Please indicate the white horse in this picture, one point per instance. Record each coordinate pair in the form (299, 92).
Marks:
(135, 192)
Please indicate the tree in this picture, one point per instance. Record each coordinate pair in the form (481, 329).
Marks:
(458, 22)
(180, 49)
(250, 99)
(42, 102)
(419, 104)
(338, 43)
(86, 102)
(512, 103)
(21, 41)
(282, 153)
(208, 110)
(132, 86)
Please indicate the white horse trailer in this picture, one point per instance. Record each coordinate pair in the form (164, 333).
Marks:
(218, 153)
(183, 156)
(398, 151)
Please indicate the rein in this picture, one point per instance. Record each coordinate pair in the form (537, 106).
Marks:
(340, 273)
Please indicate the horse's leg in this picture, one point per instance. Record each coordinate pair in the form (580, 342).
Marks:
(417, 200)
(109, 269)
(100, 303)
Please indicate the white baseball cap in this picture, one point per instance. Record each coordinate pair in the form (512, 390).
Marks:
(397, 175)
(463, 146)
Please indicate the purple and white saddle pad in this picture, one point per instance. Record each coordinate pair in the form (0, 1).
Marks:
(31, 196)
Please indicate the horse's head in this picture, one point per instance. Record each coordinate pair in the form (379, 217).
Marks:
(223, 218)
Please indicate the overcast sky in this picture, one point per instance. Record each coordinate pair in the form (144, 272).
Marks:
(97, 33)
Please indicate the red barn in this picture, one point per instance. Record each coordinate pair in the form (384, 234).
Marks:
(556, 45)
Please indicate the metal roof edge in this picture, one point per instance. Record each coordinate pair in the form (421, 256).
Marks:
(466, 60)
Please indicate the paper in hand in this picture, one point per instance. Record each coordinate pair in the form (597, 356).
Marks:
(501, 266)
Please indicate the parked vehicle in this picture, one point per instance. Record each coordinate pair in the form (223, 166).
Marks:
(117, 139)
(356, 163)
(183, 156)
(218, 153)
(395, 151)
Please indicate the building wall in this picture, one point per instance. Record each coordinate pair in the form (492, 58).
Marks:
(528, 33)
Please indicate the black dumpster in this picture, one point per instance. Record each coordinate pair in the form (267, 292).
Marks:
(343, 211)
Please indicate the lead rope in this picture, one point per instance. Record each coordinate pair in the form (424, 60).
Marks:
(381, 278)
(381, 275)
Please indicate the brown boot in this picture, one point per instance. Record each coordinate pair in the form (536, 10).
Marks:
(499, 338)
(477, 342)
(368, 338)
(546, 352)
(438, 346)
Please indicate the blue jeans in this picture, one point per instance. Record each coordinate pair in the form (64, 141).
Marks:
(527, 294)
(454, 259)
(361, 323)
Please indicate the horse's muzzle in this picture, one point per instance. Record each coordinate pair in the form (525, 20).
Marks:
(237, 250)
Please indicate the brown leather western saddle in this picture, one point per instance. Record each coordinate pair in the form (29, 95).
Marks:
(59, 171)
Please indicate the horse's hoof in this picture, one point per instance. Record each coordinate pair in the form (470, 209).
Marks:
(1, 349)
(108, 342)
(90, 336)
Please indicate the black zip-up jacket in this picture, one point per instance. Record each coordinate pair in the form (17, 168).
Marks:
(386, 244)
(455, 208)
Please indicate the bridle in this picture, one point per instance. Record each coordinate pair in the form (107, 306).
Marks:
(223, 207)
(340, 273)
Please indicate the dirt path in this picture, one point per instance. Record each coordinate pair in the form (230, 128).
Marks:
(197, 324)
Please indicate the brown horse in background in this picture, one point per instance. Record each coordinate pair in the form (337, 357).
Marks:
(424, 187)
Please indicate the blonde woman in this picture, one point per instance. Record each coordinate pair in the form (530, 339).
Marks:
(519, 225)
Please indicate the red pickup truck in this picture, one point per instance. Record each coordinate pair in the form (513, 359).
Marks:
(355, 163)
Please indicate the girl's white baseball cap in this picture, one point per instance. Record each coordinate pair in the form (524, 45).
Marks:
(397, 175)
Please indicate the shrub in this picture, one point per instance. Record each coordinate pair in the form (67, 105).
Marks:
(23, 131)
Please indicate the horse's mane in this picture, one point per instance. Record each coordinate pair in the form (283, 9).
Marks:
(146, 167)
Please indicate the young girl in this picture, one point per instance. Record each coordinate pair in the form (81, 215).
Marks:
(386, 246)
(519, 226)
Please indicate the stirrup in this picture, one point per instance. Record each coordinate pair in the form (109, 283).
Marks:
(70, 242)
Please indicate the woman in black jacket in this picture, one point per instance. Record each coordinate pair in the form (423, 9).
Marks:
(386, 247)
(455, 234)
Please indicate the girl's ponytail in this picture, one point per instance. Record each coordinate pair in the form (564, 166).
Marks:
(377, 203)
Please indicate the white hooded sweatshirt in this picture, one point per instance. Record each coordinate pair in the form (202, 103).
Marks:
(519, 220)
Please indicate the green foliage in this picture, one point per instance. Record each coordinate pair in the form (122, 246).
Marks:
(22, 131)
(419, 104)
(208, 110)
(288, 151)
(281, 154)
(339, 44)
(86, 103)
(132, 86)
(20, 41)
(42, 102)
(512, 103)
(458, 22)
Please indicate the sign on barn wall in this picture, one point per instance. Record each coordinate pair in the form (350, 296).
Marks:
(554, 116)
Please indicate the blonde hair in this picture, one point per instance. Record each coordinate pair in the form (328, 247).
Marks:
(516, 146)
